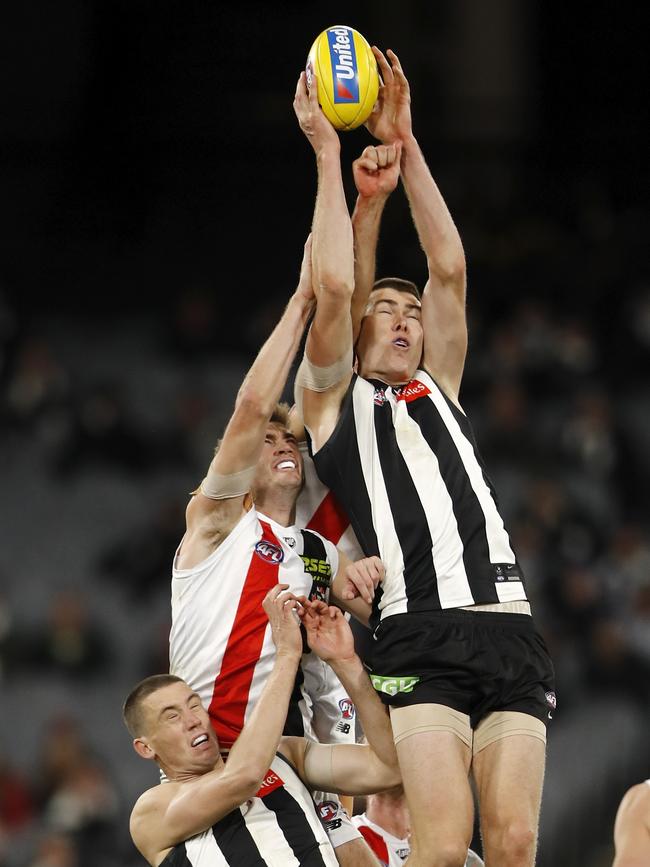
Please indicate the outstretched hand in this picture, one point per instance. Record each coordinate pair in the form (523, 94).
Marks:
(328, 632)
(376, 171)
(391, 117)
(283, 610)
(319, 131)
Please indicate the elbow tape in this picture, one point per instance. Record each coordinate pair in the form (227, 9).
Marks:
(321, 378)
(219, 487)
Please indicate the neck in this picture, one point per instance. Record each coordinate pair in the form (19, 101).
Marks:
(280, 506)
(390, 815)
(395, 380)
(178, 775)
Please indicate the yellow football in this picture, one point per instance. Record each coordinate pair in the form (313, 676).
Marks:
(348, 80)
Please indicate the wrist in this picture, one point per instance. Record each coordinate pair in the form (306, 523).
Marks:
(288, 655)
(347, 665)
(328, 152)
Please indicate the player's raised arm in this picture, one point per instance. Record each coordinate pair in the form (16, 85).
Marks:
(356, 769)
(327, 367)
(443, 301)
(376, 173)
(217, 504)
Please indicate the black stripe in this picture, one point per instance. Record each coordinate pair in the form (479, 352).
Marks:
(339, 467)
(294, 725)
(467, 509)
(315, 552)
(408, 514)
(295, 827)
(176, 858)
(236, 842)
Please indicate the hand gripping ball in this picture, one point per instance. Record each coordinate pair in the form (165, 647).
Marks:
(348, 80)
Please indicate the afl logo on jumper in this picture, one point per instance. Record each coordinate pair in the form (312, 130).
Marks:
(379, 396)
(269, 552)
(412, 391)
(347, 708)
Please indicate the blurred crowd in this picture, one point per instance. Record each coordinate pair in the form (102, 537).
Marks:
(557, 389)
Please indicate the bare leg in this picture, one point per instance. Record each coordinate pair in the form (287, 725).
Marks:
(435, 767)
(509, 774)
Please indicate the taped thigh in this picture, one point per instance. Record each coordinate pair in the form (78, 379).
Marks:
(417, 718)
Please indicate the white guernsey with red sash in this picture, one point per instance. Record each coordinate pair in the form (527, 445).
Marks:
(220, 640)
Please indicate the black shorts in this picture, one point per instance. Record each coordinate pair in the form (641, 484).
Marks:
(474, 662)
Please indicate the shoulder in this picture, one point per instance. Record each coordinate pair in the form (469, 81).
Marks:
(149, 812)
(636, 801)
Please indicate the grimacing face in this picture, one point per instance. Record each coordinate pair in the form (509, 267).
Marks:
(391, 337)
(178, 733)
(280, 462)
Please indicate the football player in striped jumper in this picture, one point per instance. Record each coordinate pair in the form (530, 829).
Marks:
(240, 540)
(255, 809)
(456, 656)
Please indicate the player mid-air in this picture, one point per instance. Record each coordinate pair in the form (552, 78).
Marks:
(456, 655)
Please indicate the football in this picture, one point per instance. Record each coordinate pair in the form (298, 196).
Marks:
(348, 80)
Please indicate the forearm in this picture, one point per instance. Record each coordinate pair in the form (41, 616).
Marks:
(436, 229)
(372, 713)
(255, 747)
(332, 249)
(264, 382)
(366, 221)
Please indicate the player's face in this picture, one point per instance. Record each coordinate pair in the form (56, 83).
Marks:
(281, 462)
(179, 730)
(390, 340)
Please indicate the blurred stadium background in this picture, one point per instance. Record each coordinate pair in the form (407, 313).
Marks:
(156, 193)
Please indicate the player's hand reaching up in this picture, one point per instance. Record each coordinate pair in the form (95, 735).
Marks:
(328, 632)
(319, 131)
(376, 171)
(282, 610)
(391, 117)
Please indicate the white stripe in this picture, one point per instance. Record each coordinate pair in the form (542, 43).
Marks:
(497, 537)
(509, 591)
(202, 850)
(270, 840)
(390, 550)
(447, 546)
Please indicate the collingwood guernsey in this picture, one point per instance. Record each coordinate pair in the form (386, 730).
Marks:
(404, 464)
(277, 828)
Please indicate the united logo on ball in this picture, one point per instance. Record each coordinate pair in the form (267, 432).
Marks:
(348, 80)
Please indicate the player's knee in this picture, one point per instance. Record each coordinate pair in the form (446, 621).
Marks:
(513, 843)
(442, 853)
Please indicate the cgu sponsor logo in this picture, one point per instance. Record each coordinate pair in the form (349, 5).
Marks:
(393, 685)
(413, 390)
(347, 708)
(270, 783)
(269, 552)
(343, 58)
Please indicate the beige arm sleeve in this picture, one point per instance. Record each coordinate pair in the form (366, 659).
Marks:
(219, 487)
(318, 764)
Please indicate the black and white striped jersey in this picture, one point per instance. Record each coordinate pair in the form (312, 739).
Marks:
(279, 827)
(404, 464)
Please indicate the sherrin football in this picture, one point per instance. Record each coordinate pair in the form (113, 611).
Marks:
(348, 80)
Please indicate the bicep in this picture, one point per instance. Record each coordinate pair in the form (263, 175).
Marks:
(444, 323)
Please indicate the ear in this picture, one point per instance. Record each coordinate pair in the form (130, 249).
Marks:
(143, 749)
